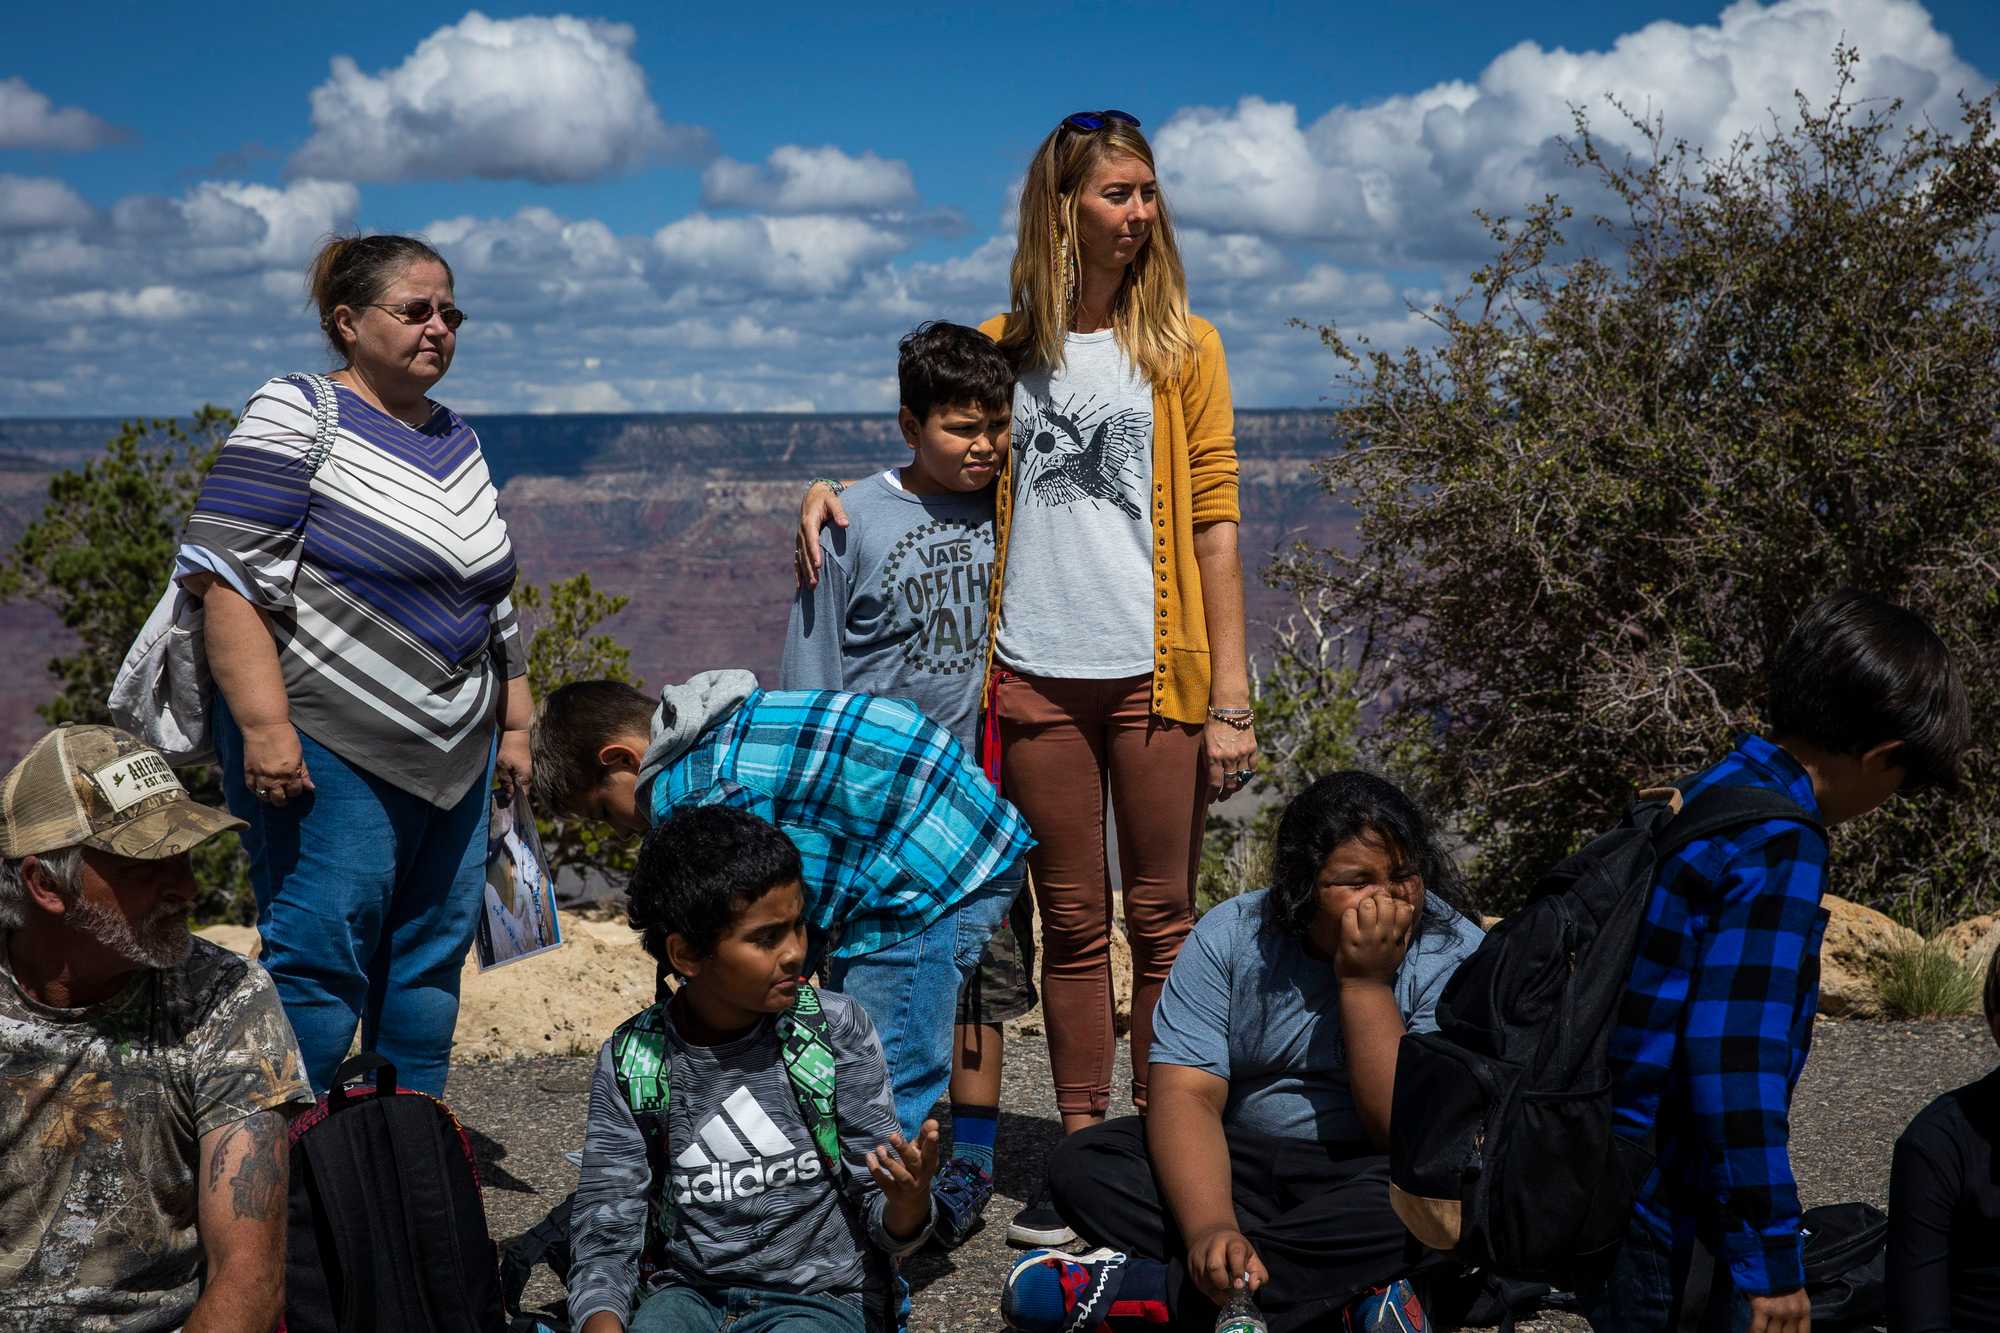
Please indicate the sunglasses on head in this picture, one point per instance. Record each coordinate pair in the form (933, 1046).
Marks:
(420, 311)
(1085, 122)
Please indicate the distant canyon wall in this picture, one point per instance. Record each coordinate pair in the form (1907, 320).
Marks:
(692, 517)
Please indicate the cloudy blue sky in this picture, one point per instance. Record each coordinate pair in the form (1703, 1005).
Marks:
(741, 207)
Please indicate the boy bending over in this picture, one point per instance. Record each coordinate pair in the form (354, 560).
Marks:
(909, 855)
(742, 1164)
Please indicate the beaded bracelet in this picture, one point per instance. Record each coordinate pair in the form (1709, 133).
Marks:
(1241, 719)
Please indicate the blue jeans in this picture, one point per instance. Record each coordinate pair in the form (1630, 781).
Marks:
(367, 899)
(910, 990)
(744, 1310)
(1649, 1281)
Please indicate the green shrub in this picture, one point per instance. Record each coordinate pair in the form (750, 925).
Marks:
(1592, 505)
(1927, 981)
(1235, 858)
(1308, 725)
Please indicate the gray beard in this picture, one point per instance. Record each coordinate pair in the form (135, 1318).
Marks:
(161, 940)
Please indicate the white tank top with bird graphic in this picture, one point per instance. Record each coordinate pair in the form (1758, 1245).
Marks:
(1078, 601)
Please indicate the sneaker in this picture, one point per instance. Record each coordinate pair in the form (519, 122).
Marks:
(1391, 1309)
(959, 1192)
(1039, 1224)
(1053, 1292)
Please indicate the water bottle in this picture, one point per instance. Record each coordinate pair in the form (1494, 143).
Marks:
(1240, 1315)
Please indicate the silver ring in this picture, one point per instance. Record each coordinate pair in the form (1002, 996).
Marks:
(263, 792)
(1244, 774)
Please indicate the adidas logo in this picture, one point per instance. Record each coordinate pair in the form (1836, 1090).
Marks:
(740, 1153)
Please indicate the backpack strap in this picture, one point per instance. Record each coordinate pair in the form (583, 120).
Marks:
(807, 1050)
(809, 1064)
(645, 1080)
(1725, 809)
(639, 1061)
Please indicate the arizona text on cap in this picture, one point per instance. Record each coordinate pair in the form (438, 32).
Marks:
(100, 787)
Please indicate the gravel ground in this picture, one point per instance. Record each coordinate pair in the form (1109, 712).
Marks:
(1863, 1083)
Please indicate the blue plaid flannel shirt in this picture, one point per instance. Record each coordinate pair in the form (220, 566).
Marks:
(1716, 1023)
(894, 824)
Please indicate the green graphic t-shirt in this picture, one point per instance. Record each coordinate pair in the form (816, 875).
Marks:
(102, 1111)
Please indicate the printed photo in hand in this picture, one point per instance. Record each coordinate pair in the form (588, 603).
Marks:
(520, 918)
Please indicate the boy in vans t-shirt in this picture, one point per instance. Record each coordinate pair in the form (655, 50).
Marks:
(725, 1200)
(900, 610)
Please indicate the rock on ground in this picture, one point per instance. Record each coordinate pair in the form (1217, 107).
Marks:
(1973, 942)
(1858, 943)
(563, 1002)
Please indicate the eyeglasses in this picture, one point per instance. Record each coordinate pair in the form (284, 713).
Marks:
(420, 311)
(1084, 122)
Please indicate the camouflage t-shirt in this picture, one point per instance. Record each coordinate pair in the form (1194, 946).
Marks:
(102, 1111)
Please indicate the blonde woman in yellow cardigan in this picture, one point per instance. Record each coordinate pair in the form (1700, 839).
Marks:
(1117, 647)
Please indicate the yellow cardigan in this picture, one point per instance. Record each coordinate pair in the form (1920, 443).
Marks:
(1194, 482)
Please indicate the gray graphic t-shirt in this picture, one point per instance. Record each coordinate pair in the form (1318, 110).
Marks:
(753, 1203)
(1252, 1006)
(1079, 599)
(901, 605)
(102, 1112)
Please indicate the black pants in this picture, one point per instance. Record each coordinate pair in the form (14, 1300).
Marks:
(1317, 1214)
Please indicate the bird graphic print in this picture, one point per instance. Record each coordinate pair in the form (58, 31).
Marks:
(1080, 452)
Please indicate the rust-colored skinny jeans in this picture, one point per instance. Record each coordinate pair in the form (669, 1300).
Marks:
(1064, 744)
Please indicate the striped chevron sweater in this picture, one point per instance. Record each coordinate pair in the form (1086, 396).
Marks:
(385, 575)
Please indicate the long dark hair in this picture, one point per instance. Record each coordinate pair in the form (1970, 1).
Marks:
(1347, 805)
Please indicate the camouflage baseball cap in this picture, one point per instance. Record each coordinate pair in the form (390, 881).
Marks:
(99, 787)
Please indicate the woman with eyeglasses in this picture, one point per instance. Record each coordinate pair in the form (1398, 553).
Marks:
(370, 676)
(1117, 646)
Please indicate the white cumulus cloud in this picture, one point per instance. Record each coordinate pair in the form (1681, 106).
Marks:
(579, 396)
(789, 286)
(264, 225)
(569, 250)
(809, 180)
(541, 99)
(812, 253)
(157, 303)
(28, 119)
(39, 203)
(1398, 179)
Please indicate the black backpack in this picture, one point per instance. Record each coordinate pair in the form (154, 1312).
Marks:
(1844, 1250)
(387, 1228)
(1503, 1151)
(1846, 1257)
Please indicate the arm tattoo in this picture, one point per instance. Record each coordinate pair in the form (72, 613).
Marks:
(257, 1189)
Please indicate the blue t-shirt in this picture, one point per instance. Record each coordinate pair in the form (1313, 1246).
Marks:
(1250, 1005)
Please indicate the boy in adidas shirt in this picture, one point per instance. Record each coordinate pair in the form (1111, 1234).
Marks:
(727, 1181)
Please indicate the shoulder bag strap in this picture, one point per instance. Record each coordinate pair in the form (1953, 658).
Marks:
(326, 422)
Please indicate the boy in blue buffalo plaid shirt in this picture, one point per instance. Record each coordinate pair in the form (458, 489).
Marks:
(1717, 1017)
(909, 853)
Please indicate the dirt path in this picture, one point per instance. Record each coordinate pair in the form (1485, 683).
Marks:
(1863, 1083)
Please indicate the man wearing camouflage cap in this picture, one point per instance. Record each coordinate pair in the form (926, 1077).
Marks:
(145, 1075)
